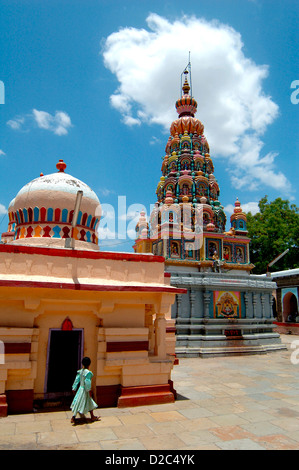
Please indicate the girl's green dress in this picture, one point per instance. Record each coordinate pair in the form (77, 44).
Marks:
(82, 402)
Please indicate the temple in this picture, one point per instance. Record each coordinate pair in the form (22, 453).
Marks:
(62, 299)
(186, 291)
(226, 309)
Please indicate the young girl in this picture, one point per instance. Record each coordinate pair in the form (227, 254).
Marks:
(83, 402)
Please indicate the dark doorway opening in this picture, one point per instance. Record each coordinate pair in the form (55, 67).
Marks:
(64, 359)
(290, 307)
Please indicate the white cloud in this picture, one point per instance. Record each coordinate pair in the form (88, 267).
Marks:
(250, 170)
(59, 123)
(154, 140)
(3, 209)
(131, 121)
(16, 123)
(227, 85)
(2, 153)
(252, 207)
(106, 192)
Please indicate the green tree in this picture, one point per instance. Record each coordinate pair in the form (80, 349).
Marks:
(272, 230)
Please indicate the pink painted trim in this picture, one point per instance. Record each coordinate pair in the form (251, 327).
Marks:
(69, 253)
(89, 287)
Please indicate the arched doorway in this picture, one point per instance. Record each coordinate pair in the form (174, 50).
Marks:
(290, 307)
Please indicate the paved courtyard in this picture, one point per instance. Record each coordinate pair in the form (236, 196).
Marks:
(249, 402)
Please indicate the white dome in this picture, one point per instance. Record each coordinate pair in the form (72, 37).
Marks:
(59, 181)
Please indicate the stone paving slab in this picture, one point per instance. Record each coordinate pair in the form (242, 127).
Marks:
(229, 403)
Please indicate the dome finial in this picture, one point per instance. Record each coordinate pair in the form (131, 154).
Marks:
(61, 166)
(186, 86)
(186, 105)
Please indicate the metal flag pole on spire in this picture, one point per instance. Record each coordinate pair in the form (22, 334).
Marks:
(186, 70)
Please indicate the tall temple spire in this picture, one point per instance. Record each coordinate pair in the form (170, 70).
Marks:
(188, 192)
(187, 226)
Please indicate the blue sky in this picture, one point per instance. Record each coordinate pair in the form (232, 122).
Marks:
(95, 83)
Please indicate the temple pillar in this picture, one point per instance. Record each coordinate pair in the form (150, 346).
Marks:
(263, 305)
(207, 298)
(254, 302)
(246, 301)
(149, 312)
(178, 302)
(192, 304)
(160, 335)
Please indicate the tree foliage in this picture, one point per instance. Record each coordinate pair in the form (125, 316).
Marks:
(272, 230)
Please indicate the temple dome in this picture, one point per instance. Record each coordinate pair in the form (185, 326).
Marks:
(239, 219)
(44, 208)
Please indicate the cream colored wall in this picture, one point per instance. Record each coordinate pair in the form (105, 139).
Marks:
(12, 312)
(51, 268)
(18, 370)
(104, 316)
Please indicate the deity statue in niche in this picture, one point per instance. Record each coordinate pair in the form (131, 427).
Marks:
(173, 167)
(201, 190)
(174, 250)
(185, 189)
(240, 255)
(227, 305)
(212, 248)
(227, 253)
(189, 250)
(198, 166)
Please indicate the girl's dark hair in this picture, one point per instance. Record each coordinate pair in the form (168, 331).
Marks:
(86, 361)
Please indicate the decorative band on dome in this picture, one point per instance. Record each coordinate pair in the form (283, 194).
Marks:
(50, 215)
(62, 232)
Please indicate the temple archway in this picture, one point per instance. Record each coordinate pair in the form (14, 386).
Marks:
(290, 307)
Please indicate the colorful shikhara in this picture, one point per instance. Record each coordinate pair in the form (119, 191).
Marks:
(187, 224)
